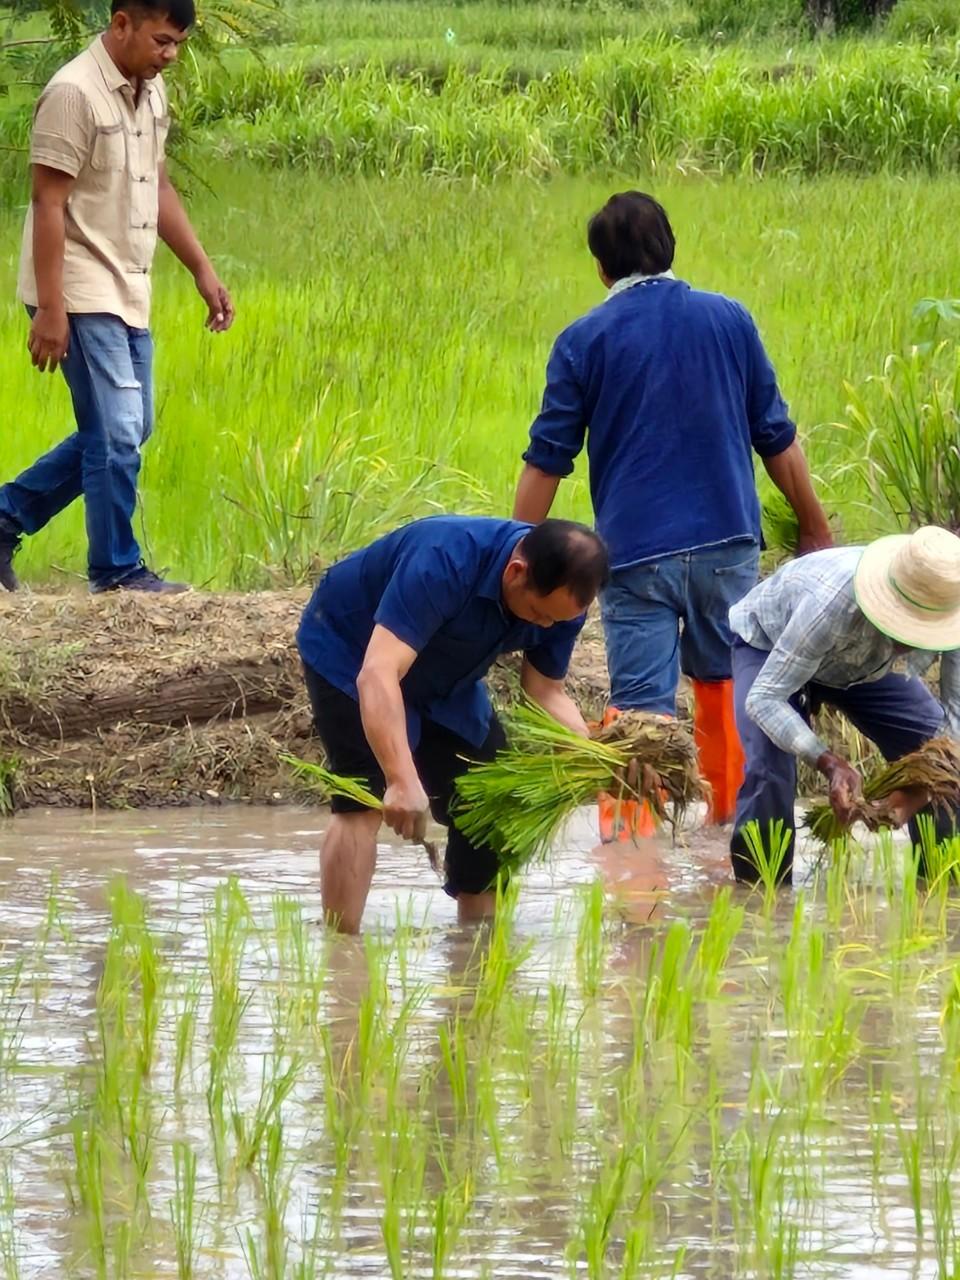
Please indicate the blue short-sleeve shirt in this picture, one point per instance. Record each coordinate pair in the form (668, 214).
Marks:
(672, 391)
(436, 584)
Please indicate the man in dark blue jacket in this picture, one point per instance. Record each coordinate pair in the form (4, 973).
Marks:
(673, 392)
(395, 644)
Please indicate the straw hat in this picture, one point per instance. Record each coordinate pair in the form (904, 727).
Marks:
(908, 585)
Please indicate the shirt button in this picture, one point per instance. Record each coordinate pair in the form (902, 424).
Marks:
(141, 179)
(139, 133)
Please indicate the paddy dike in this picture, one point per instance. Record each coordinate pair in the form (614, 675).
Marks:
(122, 700)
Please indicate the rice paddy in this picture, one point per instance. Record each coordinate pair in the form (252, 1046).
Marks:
(199, 1081)
(637, 1069)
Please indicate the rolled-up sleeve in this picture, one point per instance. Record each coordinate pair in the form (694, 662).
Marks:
(557, 434)
(551, 655)
(63, 130)
(771, 428)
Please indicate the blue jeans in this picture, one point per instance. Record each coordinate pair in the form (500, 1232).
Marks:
(897, 713)
(666, 615)
(108, 369)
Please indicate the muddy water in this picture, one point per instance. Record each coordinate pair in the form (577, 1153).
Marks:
(831, 1174)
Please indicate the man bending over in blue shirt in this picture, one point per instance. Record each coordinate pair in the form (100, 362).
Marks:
(395, 644)
(826, 630)
(673, 392)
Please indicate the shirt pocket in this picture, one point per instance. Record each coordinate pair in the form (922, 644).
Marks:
(109, 153)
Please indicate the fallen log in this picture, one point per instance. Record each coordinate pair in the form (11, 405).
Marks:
(122, 700)
(239, 688)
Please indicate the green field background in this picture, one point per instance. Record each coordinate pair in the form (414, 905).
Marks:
(397, 197)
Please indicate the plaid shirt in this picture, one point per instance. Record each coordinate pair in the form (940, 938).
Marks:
(806, 616)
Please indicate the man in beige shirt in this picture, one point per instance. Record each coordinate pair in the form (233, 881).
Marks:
(101, 196)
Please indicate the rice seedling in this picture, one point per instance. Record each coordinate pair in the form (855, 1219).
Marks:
(768, 852)
(278, 1079)
(267, 1254)
(454, 1052)
(88, 1151)
(10, 1248)
(608, 1190)
(400, 1153)
(182, 1207)
(518, 802)
(591, 942)
(716, 941)
(186, 1029)
(12, 1012)
(451, 1207)
(500, 959)
(934, 767)
(227, 927)
(302, 963)
(905, 422)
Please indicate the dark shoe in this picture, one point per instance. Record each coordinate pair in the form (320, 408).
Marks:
(144, 579)
(9, 546)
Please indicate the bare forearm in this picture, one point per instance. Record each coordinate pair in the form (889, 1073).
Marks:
(536, 491)
(551, 695)
(789, 472)
(564, 710)
(385, 724)
(177, 233)
(49, 236)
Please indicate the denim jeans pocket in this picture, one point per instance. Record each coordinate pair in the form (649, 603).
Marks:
(749, 562)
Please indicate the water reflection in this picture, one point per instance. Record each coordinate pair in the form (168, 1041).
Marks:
(565, 1092)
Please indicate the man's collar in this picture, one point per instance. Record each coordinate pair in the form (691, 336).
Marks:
(628, 282)
(112, 75)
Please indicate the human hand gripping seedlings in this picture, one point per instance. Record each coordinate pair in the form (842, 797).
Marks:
(405, 806)
(846, 787)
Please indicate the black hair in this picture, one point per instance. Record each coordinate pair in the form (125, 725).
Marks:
(631, 234)
(181, 13)
(562, 553)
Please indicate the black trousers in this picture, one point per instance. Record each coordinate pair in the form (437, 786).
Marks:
(440, 758)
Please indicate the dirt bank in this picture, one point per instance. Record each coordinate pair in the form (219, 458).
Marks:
(122, 700)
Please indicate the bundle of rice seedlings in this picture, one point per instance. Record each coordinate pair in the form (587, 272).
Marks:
(518, 802)
(935, 767)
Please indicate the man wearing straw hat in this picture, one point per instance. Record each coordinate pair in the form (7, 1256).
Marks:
(826, 630)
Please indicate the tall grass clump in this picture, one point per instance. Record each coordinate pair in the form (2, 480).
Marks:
(905, 421)
(863, 108)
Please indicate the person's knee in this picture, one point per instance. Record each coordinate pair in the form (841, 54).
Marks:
(359, 824)
(470, 870)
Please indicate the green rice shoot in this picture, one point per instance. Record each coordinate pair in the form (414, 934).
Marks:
(329, 785)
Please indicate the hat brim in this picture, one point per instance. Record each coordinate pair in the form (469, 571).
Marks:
(890, 612)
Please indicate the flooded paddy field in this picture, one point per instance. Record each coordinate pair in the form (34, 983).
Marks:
(638, 1070)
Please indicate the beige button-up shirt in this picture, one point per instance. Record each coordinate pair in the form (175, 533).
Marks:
(89, 124)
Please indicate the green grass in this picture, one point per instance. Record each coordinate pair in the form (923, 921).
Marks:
(391, 336)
